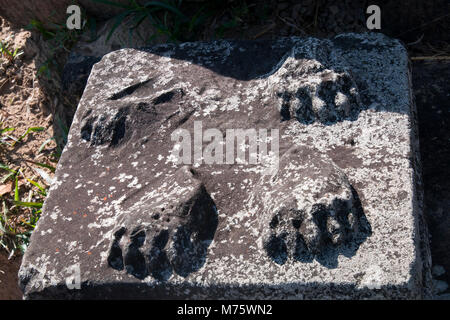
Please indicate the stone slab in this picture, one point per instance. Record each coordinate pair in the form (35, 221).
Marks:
(339, 217)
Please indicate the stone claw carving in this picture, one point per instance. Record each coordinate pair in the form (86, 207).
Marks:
(104, 129)
(308, 91)
(308, 208)
(167, 232)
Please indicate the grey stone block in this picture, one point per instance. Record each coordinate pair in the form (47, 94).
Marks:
(341, 217)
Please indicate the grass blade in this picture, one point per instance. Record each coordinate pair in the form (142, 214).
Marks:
(6, 130)
(16, 189)
(43, 165)
(8, 176)
(45, 143)
(37, 185)
(5, 167)
(28, 204)
(32, 129)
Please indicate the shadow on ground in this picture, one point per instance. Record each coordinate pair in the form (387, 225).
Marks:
(432, 96)
(9, 289)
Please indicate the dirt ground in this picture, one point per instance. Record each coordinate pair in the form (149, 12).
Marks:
(23, 104)
(9, 289)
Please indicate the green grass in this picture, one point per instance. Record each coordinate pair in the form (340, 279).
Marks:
(21, 208)
(7, 53)
(15, 233)
(4, 134)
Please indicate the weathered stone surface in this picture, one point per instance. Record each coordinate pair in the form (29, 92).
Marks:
(341, 217)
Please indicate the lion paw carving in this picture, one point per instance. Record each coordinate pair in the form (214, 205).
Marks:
(167, 233)
(310, 92)
(309, 208)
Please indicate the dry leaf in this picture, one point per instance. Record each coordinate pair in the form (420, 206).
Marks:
(5, 188)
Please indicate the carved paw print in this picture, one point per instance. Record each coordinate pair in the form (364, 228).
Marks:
(310, 209)
(316, 93)
(301, 235)
(113, 128)
(166, 236)
(103, 129)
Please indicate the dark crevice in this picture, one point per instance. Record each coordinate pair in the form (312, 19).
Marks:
(128, 91)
